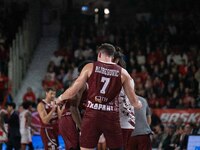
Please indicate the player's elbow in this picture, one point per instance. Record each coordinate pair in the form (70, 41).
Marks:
(136, 104)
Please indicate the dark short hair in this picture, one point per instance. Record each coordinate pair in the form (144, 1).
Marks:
(162, 127)
(107, 48)
(26, 104)
(50, 89)
(12, 104)
(119, 55)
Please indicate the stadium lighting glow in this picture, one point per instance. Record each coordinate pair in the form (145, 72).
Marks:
(84, 8)
(96, 10)
(106, 11)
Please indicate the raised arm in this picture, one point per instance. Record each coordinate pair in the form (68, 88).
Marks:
(78, 83)
(129, 88)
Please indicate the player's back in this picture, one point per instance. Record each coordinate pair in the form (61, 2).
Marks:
(104, 86)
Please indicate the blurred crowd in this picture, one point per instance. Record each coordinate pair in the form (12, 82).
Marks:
(161, 51)
(174, 136)
(12, 14)
(161, 48)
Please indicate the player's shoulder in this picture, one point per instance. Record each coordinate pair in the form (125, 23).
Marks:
(40, 105)
(125, 75)
(88, 66)
(124, 72)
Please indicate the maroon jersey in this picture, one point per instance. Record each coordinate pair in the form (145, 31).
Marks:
(53, 120)
(104, 86)
(66, 111)
(49, 132)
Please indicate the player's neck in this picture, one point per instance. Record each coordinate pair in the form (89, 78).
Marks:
(105, 59)
(47, 100)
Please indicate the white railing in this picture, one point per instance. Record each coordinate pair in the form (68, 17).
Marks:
(23, 46)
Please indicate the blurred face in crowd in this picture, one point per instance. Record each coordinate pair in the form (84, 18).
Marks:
(9, 109)
(180, 130)
(158, 129)
(179, 122)
(20, 109)
(188, 129)
(171, 130)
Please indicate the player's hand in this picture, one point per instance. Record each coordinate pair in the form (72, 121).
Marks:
(61, 109)
(58, 100)
(54, 106)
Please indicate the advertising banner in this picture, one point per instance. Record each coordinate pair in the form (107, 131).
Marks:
(172, 115)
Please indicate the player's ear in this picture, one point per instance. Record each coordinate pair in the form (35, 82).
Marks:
(99, 54)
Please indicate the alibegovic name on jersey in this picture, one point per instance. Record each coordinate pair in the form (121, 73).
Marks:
(108, 72)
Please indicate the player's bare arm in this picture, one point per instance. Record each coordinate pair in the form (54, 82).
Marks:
(43, 114)
(28, 119)
(78, 84)
(128, 85)
(74, 107)
(60, 110)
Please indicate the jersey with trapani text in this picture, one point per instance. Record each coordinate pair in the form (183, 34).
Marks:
(53, 120)
(104, 86)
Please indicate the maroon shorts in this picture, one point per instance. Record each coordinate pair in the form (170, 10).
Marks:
(126, 137)
(69, 132)
(97, 122)
(50, 138)
(140, 142)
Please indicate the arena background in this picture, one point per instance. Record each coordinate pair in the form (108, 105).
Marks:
(42, 42)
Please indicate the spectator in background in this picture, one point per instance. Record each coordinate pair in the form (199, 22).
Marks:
(3, 58)
(14, 136)
(188, 129)
(29, 95)
(165, 144)
(3, 127)
(25, 125)
(3, 86)
(56, 59)
(158, 135)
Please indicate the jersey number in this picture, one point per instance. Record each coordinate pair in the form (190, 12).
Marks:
(106, 82)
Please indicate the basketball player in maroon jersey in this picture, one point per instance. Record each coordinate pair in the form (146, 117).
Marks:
(105, 80)
(48, 117)
(70, 117)
(67, 125)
